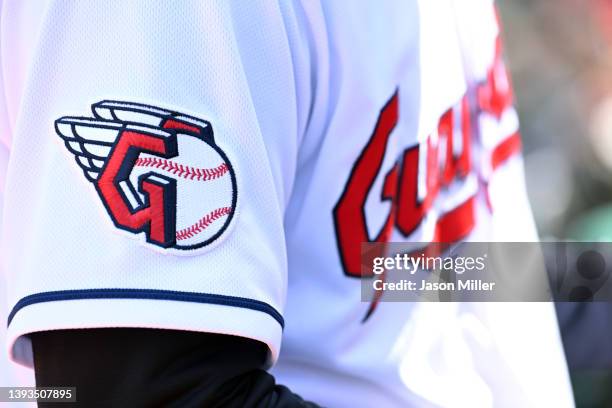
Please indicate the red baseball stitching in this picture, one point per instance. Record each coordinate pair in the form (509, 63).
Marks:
(201, 225)
(180, 170)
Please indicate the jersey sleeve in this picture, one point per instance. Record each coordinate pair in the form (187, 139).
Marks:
(11, 374)
(150, 167)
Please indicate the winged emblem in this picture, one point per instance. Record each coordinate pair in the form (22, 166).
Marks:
(156, 171)
(90, 139)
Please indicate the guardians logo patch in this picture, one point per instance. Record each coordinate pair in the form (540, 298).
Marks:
(159, 173)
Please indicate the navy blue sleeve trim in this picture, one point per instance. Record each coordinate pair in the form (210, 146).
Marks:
(147, 294)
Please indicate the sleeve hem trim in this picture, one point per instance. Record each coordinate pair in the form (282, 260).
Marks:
(152, 294)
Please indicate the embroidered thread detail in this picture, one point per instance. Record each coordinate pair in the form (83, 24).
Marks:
(201, 225)
(182, 171)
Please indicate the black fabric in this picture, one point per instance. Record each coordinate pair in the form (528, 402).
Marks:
(151, 368)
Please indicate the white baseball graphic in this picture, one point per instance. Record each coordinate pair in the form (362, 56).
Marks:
(203, 188)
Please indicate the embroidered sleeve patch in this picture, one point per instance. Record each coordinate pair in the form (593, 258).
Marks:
(160, 174)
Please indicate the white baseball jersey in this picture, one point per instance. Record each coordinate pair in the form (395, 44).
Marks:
(214, 166)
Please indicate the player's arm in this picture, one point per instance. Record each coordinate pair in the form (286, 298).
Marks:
(149, 192)
(148, 367)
